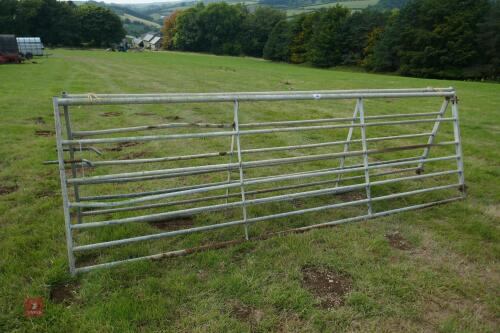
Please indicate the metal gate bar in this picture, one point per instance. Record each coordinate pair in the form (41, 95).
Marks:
(70, 152)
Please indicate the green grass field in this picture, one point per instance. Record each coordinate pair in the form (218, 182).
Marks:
(446, 279)
(354, 5)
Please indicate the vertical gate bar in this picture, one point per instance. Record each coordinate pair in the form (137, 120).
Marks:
(69, 134)
(231, 153)
(458, 145)
(238, 147)
(432, 137)
(64, 189)
(365, 154)
(348, 140)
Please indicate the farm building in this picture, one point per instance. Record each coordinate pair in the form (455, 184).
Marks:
(146, 40)
(155, 43)
(137, 43)
(29, 45)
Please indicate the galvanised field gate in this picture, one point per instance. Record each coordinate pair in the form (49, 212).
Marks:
(189, 163)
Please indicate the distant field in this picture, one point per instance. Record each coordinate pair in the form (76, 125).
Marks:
(354, 5)
(442, 274)
(166, 9)
(140, 20)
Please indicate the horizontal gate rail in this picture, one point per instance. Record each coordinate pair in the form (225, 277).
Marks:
(109, 199)
(249, 125)
(231, 133)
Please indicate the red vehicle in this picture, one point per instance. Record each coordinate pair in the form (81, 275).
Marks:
(9, 52)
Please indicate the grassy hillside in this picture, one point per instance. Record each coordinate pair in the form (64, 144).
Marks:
(293, 7)
(441, 276)
(353, 5)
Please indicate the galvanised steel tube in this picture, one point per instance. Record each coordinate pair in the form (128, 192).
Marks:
(150, 128)
(224, 196)
(247, 132)
(259, 219)
(242, 98)
(231, 97)
(246, 165)
(285, 197)
(246, 182)
(243, 151)
(64, 189)
(427, 89)
(139, 194)
(248, 125)
(301, 229)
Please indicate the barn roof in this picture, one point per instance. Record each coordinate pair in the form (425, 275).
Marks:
(155, 40)
(148, 37)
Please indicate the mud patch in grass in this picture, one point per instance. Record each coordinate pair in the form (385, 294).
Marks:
(44, 133)
(174, 224)
(4, 189)
(352, 196)
(328, 285)
(397, 241)
(63, 293)
(133, 156)
(37, 120)
(121, 145)
(172, 117)
(145, 114)
(110, 114)
(246, 313)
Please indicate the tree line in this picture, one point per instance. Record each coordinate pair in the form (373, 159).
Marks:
(61, 23)
(454, 39)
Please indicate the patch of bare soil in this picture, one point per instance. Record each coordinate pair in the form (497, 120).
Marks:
(4, 189)
(122, 145)
(44, 133)
(145, 114)
(290, 322)
(397, 241)
(133, 156)
(87, 259)
(63, 293)
(174, 224)
(246, 313)
(328, 285)
(45, 192)
(172, 117)
(110, 114)
(37, 120)
(352, 196)
(86, 170)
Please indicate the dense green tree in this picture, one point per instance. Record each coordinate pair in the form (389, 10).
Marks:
(326, 41)
(439, 39)
(383, 53)
(257, 28)
(60, 22)
(355, 33)
(99, 26)
(302, 30)
(489, 42)
(221, 28)
(278, 45)
(188, 34)
(8, 11)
